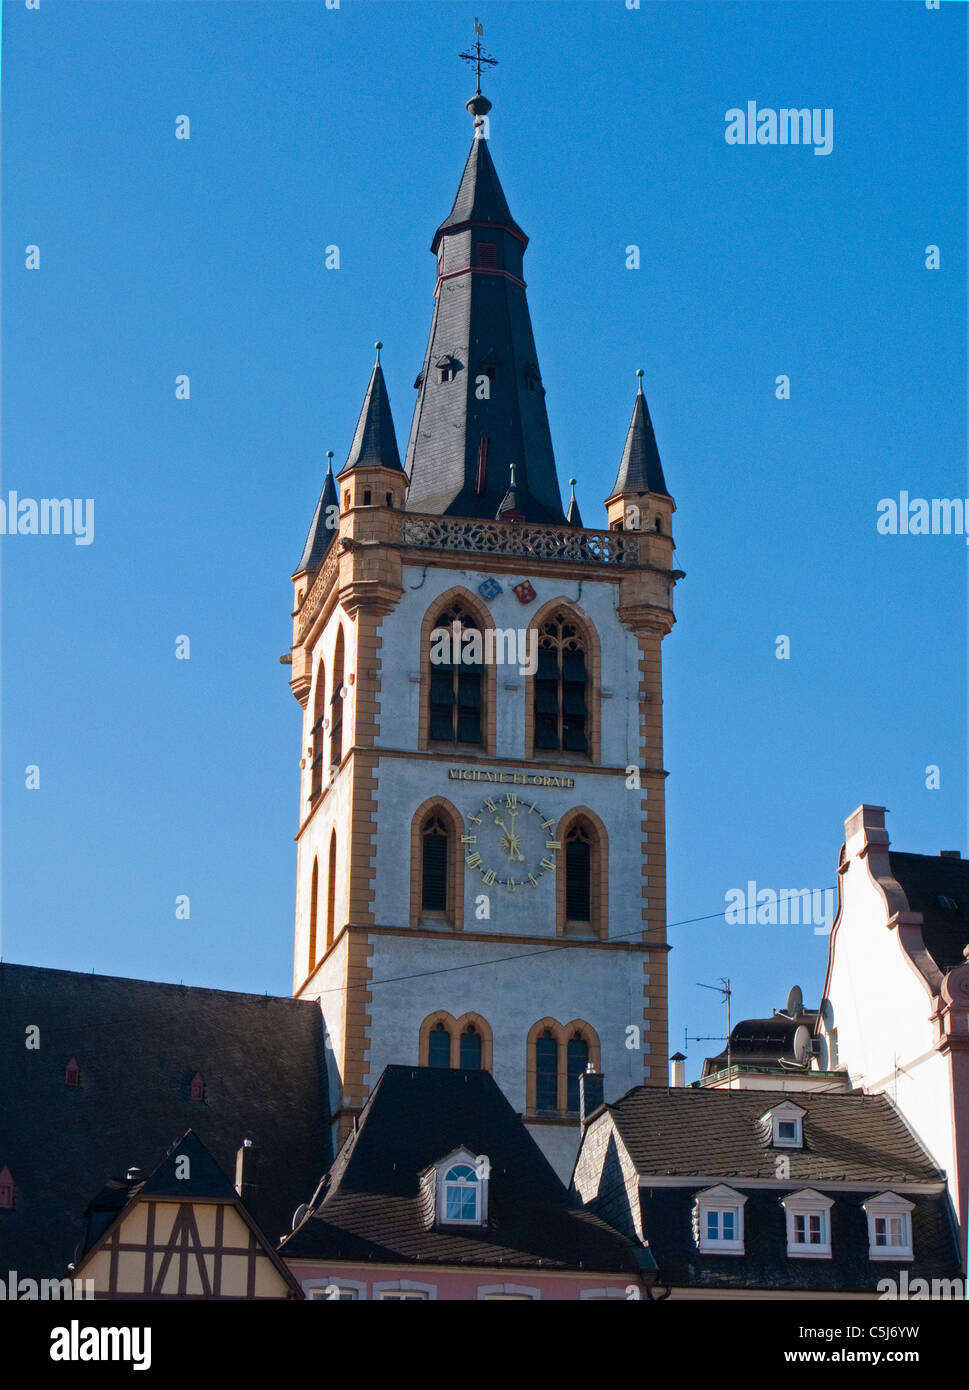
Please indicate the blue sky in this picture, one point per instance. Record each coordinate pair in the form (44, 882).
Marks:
(311, 127)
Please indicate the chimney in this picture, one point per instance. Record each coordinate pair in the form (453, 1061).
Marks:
(677, 1069)
(592, 1092)
(245, 1170)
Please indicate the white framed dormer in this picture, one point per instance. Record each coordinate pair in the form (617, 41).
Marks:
(808, 1224)
(889, 1227)
(461, 1189)
(785, 1125)
(718, 1221)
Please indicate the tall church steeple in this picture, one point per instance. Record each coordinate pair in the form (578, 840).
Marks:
(481, 402)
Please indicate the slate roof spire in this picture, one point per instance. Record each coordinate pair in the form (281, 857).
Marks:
(322, 530)
(374, 441)
(640, 469)
(481, 403)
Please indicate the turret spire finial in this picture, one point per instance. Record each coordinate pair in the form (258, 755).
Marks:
(479, 105)
(640, 374)
(378, 345)
(329, 460)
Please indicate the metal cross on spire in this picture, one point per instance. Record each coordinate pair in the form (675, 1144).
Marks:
(478, 57)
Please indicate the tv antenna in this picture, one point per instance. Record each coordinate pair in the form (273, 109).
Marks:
(724, 990)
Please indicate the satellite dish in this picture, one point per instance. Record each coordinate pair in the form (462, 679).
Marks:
(802, 1042)
(299, 1215)
(795, 1002)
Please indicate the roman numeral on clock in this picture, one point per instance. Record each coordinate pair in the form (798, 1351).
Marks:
(546, 864)
(473, 860)
(553, 844)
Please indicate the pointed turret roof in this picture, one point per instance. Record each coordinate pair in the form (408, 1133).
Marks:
(640, 470)
(480, 197)
(481, 403)
(374, 442)
(320, 535)
(573, 516)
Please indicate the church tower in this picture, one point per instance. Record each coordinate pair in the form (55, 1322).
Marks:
(481, 839)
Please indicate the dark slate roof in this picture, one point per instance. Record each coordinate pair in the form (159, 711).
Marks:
(320, 536)
(374, 441)
(847, 1136)
(667, 1215)
(481, 322)
(480, 197)
(373, 1210)
(640, 469)
(924, 879)
(205, 1180)
(138, 1045)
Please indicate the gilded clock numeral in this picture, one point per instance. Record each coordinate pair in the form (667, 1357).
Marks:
(531, 809)
(510, 885)
(548, 825)
(552, 844)
(490, 804)
(511, 800)
(546, 864)
(475, 820)
(488, 876)
(469, 839)
(533, 880)
(473, 860)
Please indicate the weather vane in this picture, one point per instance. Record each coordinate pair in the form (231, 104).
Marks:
(478, 57)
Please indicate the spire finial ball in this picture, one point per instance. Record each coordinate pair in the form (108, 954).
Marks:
(640, 373)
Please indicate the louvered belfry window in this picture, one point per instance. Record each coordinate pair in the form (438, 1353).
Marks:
(560, 687)
(316, 771)
(336, 705)
(439, 1047)
(456, 688)
(578, 874)
(434, 854)
(470, 1048)
(546, 1072)
(577, 1058)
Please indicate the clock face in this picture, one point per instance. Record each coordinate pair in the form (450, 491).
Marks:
(510, 842)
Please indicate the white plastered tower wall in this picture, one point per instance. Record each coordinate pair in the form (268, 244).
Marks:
(880, 1015)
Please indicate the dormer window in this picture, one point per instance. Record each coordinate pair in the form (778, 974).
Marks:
(808, 1224)
(72, 1073)
(6, 1189)
(446, 367)
(196, 1087)
(785, 1125)
(718, 1221)
(462, 1190)
(889, 1227)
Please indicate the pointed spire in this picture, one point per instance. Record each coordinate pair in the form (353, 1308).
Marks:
(374, 442)
(573, 515)
(322, 529)
(640, 470)
(508, 508)
(480, 197)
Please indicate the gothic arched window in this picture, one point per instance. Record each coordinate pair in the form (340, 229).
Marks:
(578, 874)
(546, 1071)
(314, 901)
(439, 1046)
(316, 766)
(336, 704)
(456, 685)
(470, 1050)
(576, 1060)
(560, 686)
(331, 891)
(434, 865)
